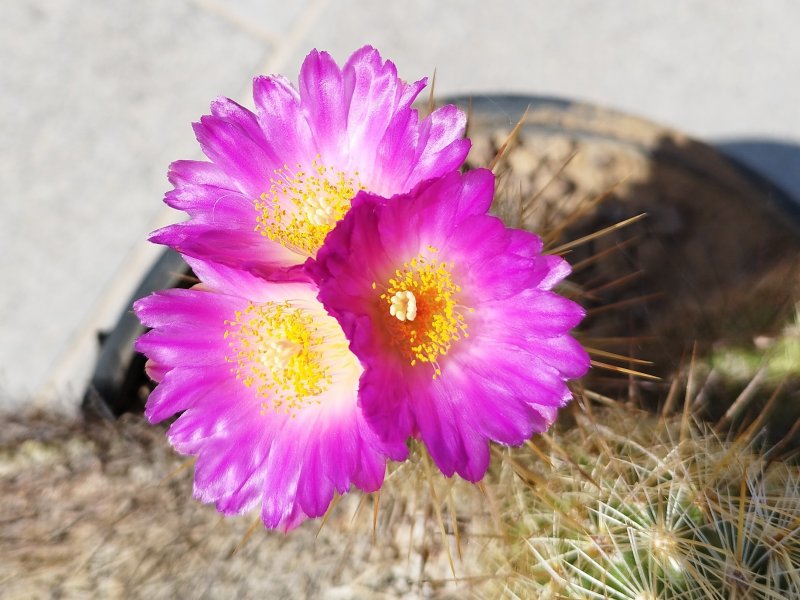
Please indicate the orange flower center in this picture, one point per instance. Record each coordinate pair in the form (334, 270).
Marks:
(423, 317)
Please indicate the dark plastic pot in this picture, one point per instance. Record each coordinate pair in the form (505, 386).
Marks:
(119, 383)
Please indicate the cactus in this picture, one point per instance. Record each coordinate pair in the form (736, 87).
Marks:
(630, 506)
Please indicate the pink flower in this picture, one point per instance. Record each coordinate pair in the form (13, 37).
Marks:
(454, 319)
(280, 178)
(267, 389)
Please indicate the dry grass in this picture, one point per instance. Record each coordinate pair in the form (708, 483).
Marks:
(105, 511)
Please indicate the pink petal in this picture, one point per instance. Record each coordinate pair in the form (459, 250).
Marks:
(282, 121)
(182, 388)
(372, 86)
(194, 172)
(323, 100)
(229, 146)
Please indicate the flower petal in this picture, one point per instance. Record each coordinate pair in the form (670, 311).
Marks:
(323, 99)
(372, 86)
(282, 120)
(229, 146)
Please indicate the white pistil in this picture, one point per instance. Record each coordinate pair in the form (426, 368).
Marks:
(404, 306)
(277, 354)
(319, 212)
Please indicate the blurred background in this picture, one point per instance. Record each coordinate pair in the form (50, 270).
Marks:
(97, 97)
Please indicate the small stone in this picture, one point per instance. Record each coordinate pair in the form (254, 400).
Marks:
(522, 161)
(341, 592)
(500, 137)
(481, 153)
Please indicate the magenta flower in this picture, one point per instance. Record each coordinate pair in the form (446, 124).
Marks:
(280, 178)
(453, 317)
(267, 389)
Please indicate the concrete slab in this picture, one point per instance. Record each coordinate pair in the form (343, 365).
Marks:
(711, 69)
(719, 72)
(275, 20)
(97, 100)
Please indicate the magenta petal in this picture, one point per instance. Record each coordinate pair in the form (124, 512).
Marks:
(383, 397)
(369, 476)
(181, 388)
(282, 120)
(502, 275)
(454, 445)
(476, 450)
(230, 111)
(180, 347)
(280, 485)
(230, 478)
(523, 373)
(476, 231)
(251, 252)
(243, 159)
(212, 205)
(372, 86)
(499, 413)
(194, 172)
(498, 400)
(184, 308)
(322, 96)
(221, 278)
(363, 239)
(156, 371)
(194, 427)
(439, 432)
(315, 487)
(524, 243)
(562, 352)
(556, 269)
(396, 154)
(532, 312)
(371, 470)
(409, 92)
(441, 152)
(436, 211)
(339, 446)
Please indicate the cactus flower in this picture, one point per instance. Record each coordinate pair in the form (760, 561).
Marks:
(454, 318)
(266, 389)
(278, 179)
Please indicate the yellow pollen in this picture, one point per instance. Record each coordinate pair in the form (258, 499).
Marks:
(302, 205)
(425, 317)
(275, 348)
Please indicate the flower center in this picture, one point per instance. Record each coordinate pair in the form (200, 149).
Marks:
(424, 315)
(302, 206)
(276, 348)
(403, 306)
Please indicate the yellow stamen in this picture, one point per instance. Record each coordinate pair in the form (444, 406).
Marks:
(277, 348)
(303, 205)
(424, 315)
